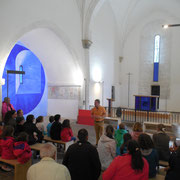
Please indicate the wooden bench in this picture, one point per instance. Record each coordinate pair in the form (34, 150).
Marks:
(37, 146)
(145, 124)
(158, 177)
(20, 170)
(163, 163)
(65, 144)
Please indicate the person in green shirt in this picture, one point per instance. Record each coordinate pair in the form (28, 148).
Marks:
(119, 133)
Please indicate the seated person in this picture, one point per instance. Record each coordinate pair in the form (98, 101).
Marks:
(107, 147)
(55, 131)
(48, 168)
(19, 125)
(20, 113)
(136, 131)
(10, 118)
(149, 153)
(35, 136)
(21, 148)
(131, 166)
(40, 124)
(119, 133)
(51, 120)
(173, 171)
(123, 148)
(66, 132)
(82, 159)
(161, 143)
(7, 145)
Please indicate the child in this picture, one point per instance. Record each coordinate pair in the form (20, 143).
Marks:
(107, 148)
(7, 144)
(40, 124)
(66, 133)
(51, 120)
(21, 148)
(149, 153)
(119, 137)
(19, 126)
(1, 127)
(136, 131)
(123, 149)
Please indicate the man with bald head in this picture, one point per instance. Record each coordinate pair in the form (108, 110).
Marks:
(47, 168)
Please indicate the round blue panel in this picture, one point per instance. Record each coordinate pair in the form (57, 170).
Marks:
(25, 91)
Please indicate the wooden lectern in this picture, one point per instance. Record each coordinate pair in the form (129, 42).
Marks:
(110, 107)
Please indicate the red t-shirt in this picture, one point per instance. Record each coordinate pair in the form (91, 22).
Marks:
(66, 134)
(121, 168)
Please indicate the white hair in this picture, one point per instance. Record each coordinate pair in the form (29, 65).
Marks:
(48, 150)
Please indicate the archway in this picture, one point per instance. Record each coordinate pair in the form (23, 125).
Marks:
(60, 69)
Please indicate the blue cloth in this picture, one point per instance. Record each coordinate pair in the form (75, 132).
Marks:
(73, 139)
(48, 129)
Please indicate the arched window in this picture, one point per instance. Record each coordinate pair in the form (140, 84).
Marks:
(21, 76)
(156, 57)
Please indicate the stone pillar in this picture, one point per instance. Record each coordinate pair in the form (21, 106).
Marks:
(86, 45)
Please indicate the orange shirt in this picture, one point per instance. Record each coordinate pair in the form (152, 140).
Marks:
(100, 111)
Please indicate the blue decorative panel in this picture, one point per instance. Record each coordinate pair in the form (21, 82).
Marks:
(25, 91)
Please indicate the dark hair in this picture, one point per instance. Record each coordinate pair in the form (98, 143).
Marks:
(19, 119)
(109, 131)
(30, 118)
(82, 135)
(51, 119)
(66, 123)
(145, 141)
(126, 139)
(57, 117)
(39, 119)
(97, 100)
(18, 111)
(23, 136)
(7, 131)
(137, 162)
(7, 117)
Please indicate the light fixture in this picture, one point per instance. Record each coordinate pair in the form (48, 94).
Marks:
(165, 26)
(170, 25)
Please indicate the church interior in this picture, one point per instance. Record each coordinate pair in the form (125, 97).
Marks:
(59, 57)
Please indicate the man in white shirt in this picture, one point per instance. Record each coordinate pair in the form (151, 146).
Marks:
(47, 168)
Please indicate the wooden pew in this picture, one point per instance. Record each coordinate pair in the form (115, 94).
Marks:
(163, 163)
(37, 146)
(65, 144)
(20, 170)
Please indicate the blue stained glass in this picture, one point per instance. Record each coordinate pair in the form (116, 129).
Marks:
(156, 58)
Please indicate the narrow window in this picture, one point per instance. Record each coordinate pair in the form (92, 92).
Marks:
(156, 58)
(21, 76)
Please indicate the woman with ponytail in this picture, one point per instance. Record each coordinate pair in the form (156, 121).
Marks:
(131, 166)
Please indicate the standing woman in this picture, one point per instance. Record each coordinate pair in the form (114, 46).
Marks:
(161, 143)
(6, 106)
(131, 166)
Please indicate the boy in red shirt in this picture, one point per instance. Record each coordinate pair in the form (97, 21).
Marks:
(21, 148)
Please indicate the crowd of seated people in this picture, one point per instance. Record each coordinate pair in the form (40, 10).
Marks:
(119, 154)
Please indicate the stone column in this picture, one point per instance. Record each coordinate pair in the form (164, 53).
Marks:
(86, 45)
